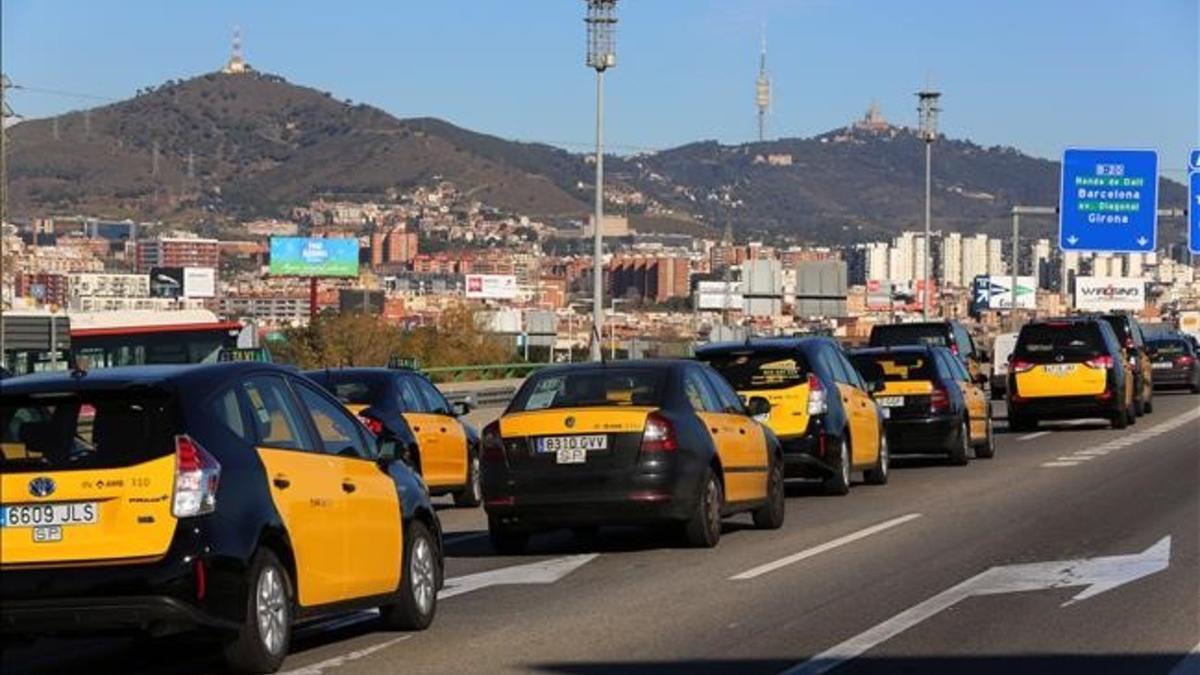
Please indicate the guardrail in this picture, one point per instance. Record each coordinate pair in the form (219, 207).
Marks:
(497, 371)
(495, 397)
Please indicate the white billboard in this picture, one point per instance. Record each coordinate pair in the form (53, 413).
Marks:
(492, 286)
(1107, 294)
(995, 292)
(199, 282)
(719, 295)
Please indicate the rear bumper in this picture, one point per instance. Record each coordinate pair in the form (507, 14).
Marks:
(1174, 377)
(1063, 407)
(151, 613)
(652, 492)
(808, 455)
(922, 434)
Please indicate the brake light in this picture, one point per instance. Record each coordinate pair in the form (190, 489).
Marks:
(197, 475)
(371, 423)
(1100, 362)
(939, 400)
(659, 434)
(954, 349)
(1128, 343)
(817, 397)
(493, 443)
(1184, 361)
(1020, 366)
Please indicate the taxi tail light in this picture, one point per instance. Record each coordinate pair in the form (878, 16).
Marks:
(1185, 361)
(1020, 366)
(817, 397)
(371, 423)
(939, 400)
(1105, 395)
(197, 475)
(1104, 362)
(954, 349)
(659, 434)
(492, 443)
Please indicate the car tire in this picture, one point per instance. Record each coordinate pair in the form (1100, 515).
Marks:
(420, 577)
(878, 474)
(1020, 423)
(471, 495)
(769, 516)
(962, 445)
(1131, 415)
(1120, 419)
(265, 635)
(838, 483)
(988, 449)
(1148, 408)
(703, 529)
(1196, 388)
(505, 539)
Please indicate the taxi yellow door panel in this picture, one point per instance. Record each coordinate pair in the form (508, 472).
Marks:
(435, 447)
(98, 514)
(454, 444)
(864, 426)
(631, 419)
(306, 489)
(1061, 379)
(977, 404)
(369, 513)
(744, 462)
(789, 408)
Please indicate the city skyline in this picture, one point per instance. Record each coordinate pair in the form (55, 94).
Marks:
(1009, 79)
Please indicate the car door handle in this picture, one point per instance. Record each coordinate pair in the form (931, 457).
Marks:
(417, 429)
(443, 430)
(281, 481)
(348, 486)
(742, 431)
(715, 430)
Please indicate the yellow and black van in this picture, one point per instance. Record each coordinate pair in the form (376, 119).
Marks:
(629, 443)
(1067, 369)
(234, 497)
(820, 407)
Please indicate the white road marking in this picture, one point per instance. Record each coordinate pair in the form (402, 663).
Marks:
(319, 668)
(544, 572)
(1056, 464)
(1097, 574)
(1030, 437)
(1080, 456)
(827, 546)
(1190, 665)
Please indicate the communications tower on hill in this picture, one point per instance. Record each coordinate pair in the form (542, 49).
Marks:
(762, 90)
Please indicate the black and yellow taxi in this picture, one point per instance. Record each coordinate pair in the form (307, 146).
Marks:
(1069, 368)
(951, 334)
(235, 498)
(1133, 343)
(820, 407)
(402, 404)
(628, 443)
(930, 403)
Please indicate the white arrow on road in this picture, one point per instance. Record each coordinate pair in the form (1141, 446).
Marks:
(1097, 574)
(544, 572)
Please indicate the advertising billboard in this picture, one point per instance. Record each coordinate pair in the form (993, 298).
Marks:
(1107, 294)
(995, 293)
(492, 286)
(719, 295)
(313, 257)
(199, 282)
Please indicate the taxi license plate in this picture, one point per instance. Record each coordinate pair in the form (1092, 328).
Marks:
(1163, 365)
(49, 515)
(1060, 369)
(571, 449)
(890, 401)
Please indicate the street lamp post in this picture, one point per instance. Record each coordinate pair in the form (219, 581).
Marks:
(927, 107)
(612, 354)
(601, 23)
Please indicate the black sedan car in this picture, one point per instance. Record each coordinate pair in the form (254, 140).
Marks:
(1173, 363)
(236, 498)
(634, 443)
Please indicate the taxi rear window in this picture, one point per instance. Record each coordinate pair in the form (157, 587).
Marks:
(935, 335)
(1169, 348)
(96, 430)
(897, 367)
(1067, 339)
(590, 388)
(762, 370)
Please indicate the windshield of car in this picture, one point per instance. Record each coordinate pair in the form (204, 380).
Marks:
(936, 335)
(761, 370)
(1067, 339)
(591, 388)
(896, 367)
(96, 430)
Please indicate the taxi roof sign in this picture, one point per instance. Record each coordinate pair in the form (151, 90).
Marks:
(249, 354)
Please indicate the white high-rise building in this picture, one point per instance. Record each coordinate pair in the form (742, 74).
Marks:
(902, 258)
(952, 254)
(1105, 265)
(1133, 265)
(995, 258)
(876, 254)
(1039, 255)
(1071, 264)
(974, 257)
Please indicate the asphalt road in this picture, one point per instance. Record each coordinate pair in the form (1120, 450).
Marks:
(1075, 550)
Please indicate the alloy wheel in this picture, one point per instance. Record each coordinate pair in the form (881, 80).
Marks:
(271, 609)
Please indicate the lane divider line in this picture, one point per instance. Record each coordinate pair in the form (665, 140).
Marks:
(1055, 464)
(1080, 456)
(822, 548)
(1030, 437)
(319, 668)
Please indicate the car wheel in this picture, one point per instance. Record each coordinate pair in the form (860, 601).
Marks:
(1148, 408)
(988, 449)
(472, 494)
(421, 576)
(506, 540)
(1131, 415)
(839, 482)
(1120, 419)
(962, 445)
(703, 529)
(878, 475)
(266, 632)
(1196, 387)
(769, 516)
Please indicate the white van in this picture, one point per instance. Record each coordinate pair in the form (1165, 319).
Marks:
(1002, 348)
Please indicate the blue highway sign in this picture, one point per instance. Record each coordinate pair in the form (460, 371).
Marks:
(1193, 210)
(1194, 161)
(1108, 201)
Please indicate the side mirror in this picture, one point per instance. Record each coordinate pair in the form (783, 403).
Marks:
(758, 407)
(387, 452)
(876, 386)
(462, 408)
(982, 379)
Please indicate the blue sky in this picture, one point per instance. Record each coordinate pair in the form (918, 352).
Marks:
(1036, 74)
